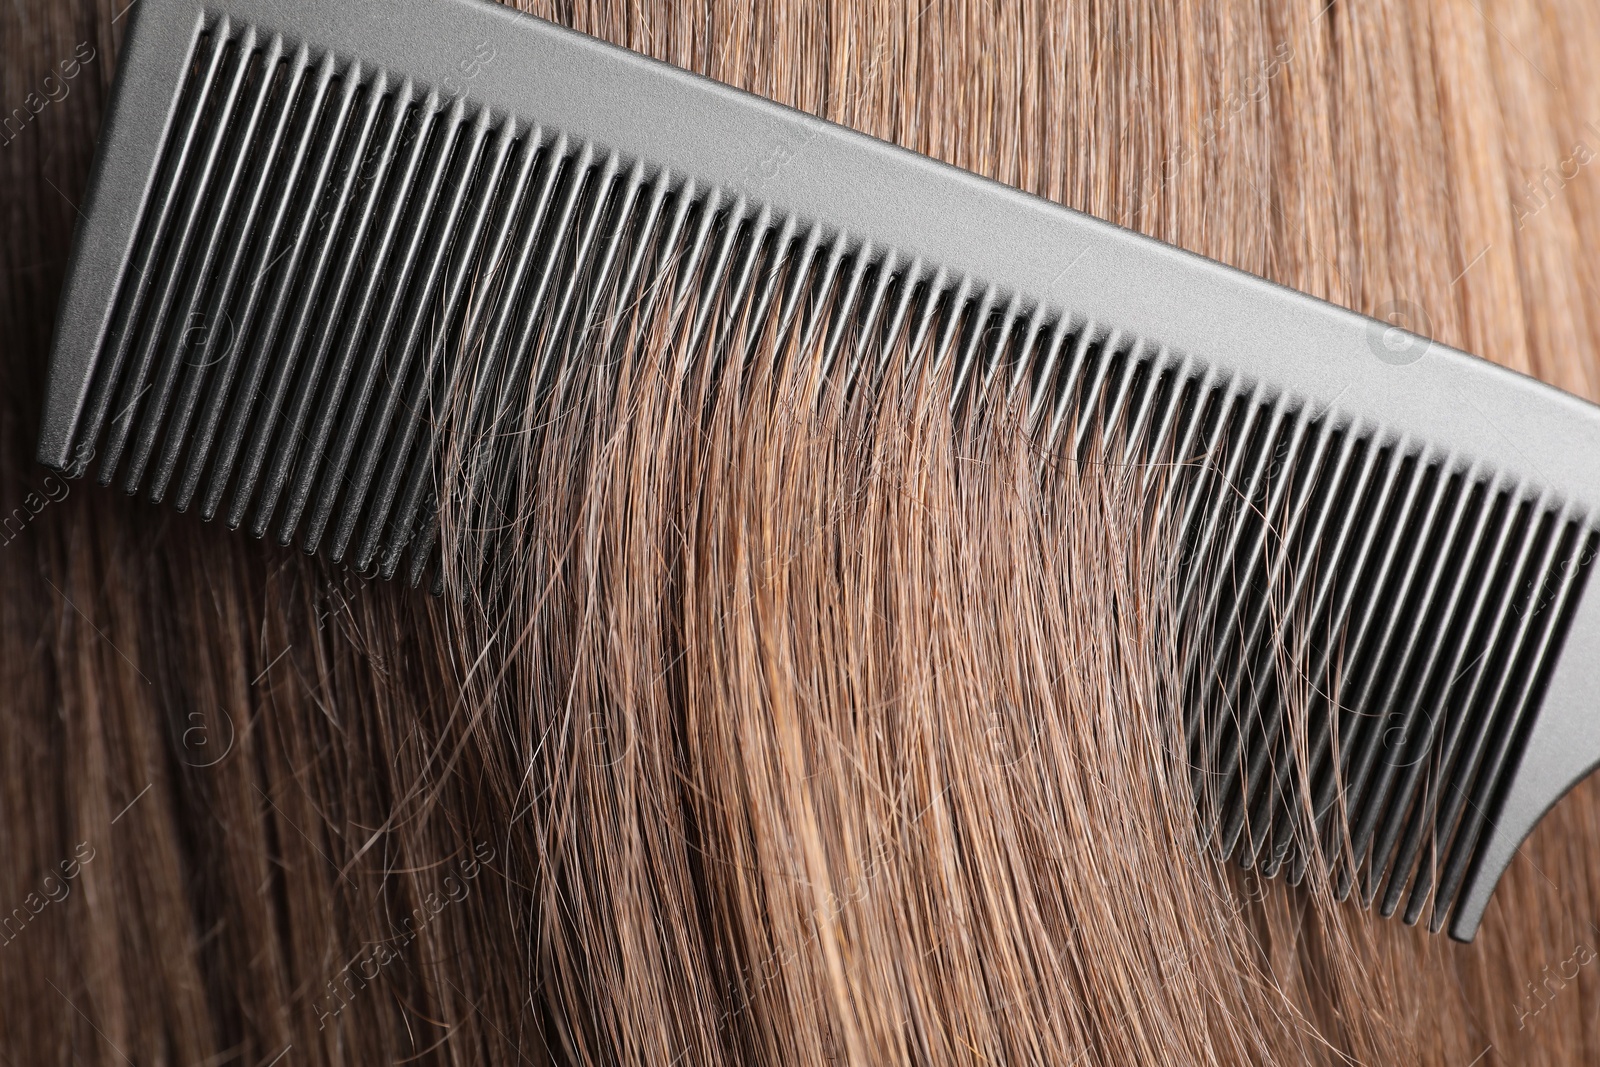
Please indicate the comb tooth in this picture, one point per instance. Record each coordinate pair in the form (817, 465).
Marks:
(411, 500)
(321, 231)
(1048, 365)
(1460, 744)
(1018, 356)
(1261, 647)
(911, 283)
(794, 299)
(843, 312)
(153, 237)
(1028, 361)
(815, 302)
(781, 245)
(744, 270)
(955, 309)
(707, 206)
(1372, 794)
(423, 275)
(1089, 410)
(772, 281)
(1231, 509)
(996, 349)
(873, 309)
(748, 257)
(446, 283)
(1218, 405)
(1278, 860)
(935, 296)
(1371, 647)
(542, 240)
(424, 554)
(1143, 441)
(716, 278)
(1160, 451)
(1491, 746)
(752, 299)
(201, 276)
(1325, 779)
(384, 213)
(601, 274)
(1202, 396)
(217, 309)
(1334, 578)
(295, 190)
(417, 487)
(1496, 510)
(1082, 357)
(292, 439)
(210, 129)
(290, 88)
(996, 342)
(978, 326)
(771, 274)
(1133, 365)
(393, 273)
(1252, 626)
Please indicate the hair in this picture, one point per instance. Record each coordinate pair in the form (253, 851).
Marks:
(771, 716)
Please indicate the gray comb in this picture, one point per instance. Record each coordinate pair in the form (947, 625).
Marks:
(291, 200)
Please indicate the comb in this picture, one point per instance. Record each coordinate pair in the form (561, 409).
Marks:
(291, 200)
